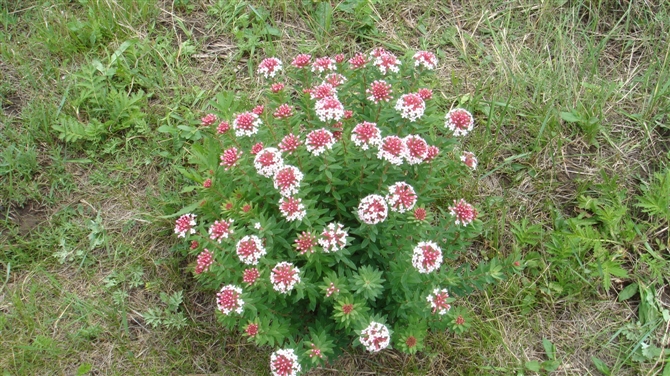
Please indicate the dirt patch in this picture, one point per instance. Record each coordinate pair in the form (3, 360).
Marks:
(28, 217)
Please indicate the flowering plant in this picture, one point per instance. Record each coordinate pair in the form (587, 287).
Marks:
(320, 220)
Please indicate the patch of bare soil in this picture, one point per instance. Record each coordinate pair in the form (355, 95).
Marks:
(28, 217)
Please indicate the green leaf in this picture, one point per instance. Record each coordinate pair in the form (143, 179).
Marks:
(533, 365)
(550, 365)
(603, 368)
(628, 292)
(84, 369)
(570, 117)
(549, 349)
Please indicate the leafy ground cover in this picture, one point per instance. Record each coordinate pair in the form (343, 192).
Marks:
(101, 97)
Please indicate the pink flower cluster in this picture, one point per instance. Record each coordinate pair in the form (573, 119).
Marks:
(250, 275)
(412, 148)
(464, 212)
(325, 90)
(427, 257)
(292, 208)
(287, 180)
(438, 301)
(221, 230)
(319, 140)
(228, 300)
(469, 159)
(246, 124)
(185, 224)
(324, 64)
(459, 121)
(366, 135)
(411, 106)
(284, 363)
(301, 61)
(401, 197)
(393, 150)
(290, 143)
(385, 61)
(230, 157)
(426, 59)
(372, 209)
(250, 249)
(209, 119)
(305, 242)
(331, 289)
(284, 277)
(333, 238)
(204, 261)
(379, 91)
(268, 161)
(329, 108)
(269, 67)
(284, 111)
(375, 337)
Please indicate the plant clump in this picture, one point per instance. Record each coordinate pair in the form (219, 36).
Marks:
(320, 220)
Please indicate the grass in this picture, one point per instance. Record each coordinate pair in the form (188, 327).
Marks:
(571, 99)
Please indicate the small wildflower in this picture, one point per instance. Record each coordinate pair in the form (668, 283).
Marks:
(276, 88)
(420, 214)
(250, 249)
(185, 224)
(387, 62)
(301, 61)
(330, 290)
(257, 226)
(410, 342)
(438, 301)
(284, 111)
(287, 180)
(251, 329)
(315, 352)
(432, 153)
(393, 150)
(333, 238)
(401, 197)
(426, 59)
(258, 110)
(372, 209)
(249, 276)
(323, 64)
(228, 300)
(269, 67)
(469, 159)
(284, 363)
(292, 208)
(325, 90)
(221, 230)
(375, 337)
(246, 124)
(223, 127)
(425, 94)
(268, 161)
(335, 79)
(194, 245)
(290, 143)
(347, 308)
(410, 106)
(427, 257)
(246, 208)
(417, 149)
(209, 119)
(204, 261)
(358, 61)
(207, 183)
(319, 140)
(348, 114)
(256, 148)
(366, 135)
(284, 277)
(339, 58)
(378, 52)
(230, 157)
(306, 242)
(464, 212)
(379, 91)
(459, 121)
(329, 108)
